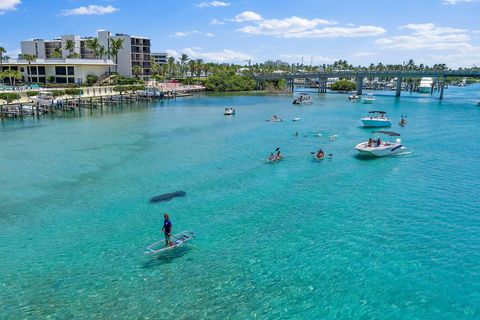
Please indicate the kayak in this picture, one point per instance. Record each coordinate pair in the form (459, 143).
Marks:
(177, 241)
(274, 120)
(275, 160)
(296, 119)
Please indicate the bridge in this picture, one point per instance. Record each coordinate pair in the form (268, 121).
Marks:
(359, 76)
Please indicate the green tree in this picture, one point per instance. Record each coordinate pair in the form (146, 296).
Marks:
(137, 71)
(93, 45)
(115, 46)
(70, 47)
(171, 66)
(343, 85)
(183, 61)
(2, 51)
(57, 53)
(29, 58)
(9, 96)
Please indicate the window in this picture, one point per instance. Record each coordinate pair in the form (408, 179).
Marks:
(60, 71)
(33, 70)
(71, 80)
(33, 79)
(42, 79)
(41, 70)
(61, 80)
(71, 70)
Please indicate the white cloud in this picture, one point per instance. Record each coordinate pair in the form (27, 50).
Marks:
(180, 34)
(364, 54)
(212, 4)
(8, 5)
(216, 22)
(298, 27)
(452, 2)
(223, 56)
(307, 58)
(247, 16)
(90, 10)
(428, 36)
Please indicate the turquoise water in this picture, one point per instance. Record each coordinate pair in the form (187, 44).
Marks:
(394, 238)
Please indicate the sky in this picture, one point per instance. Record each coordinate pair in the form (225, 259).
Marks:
(359, 31)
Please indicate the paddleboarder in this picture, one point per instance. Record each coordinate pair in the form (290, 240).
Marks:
(167, 229)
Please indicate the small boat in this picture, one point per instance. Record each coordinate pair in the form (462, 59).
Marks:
(177, 241)
(302, 98)
(376, 119)
(369, 99)
(296, 119)
(403, 121)
(478, 103)
(426, 84)
(354, 97)
(229, 111)
(381, 148)
(274, 119)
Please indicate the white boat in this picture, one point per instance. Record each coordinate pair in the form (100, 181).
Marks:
(369, 99)
(379, 147)
(426, 84)
(354, 97)
(376, 119)
(296, 119)
(229, 111)
(45, 99)
(177, 241)
(302, 98)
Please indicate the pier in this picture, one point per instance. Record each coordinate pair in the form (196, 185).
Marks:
(91, 98)
(360, 76)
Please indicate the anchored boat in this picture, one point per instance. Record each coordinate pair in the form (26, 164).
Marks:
(229, 111)
(379, 147)
(302, 98)
(376, 119)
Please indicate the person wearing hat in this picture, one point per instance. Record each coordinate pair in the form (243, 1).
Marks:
(167, 229)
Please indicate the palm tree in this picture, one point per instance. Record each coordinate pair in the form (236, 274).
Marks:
(29, 58)
(171, 66)
(183, 60)
(137, 70)
(57, 53)
(101, 51)
(192, 65)
(116, 46)
(13, 75)
(2, 51)
(70, 47)
(93, 45)
(74, 55)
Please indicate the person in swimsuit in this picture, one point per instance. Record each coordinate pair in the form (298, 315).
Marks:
(167, 229)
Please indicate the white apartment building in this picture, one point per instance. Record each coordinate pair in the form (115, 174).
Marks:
(62, 71)
(160, 57)
(135, 51)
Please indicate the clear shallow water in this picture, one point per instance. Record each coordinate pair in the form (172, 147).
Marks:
(390, 238)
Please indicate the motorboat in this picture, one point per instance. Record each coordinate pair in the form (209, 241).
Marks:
(426, 84)
(274, 119)
(46, 99)
(376, 119)
(380, 148)
(369, 99)
(229, 111)
(319, 155)
(353, 97)
(302, 98)
(275, 157)
(403, 121)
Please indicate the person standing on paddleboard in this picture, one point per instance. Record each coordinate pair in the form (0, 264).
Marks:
(167, 229)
